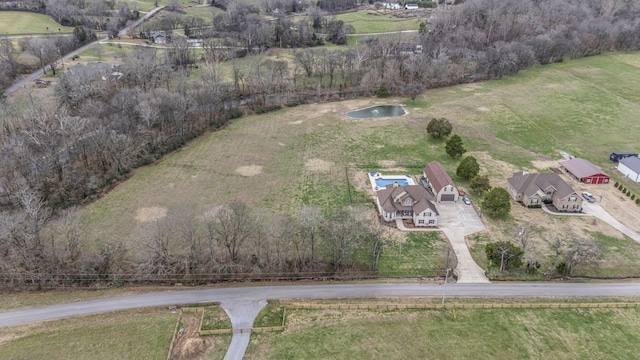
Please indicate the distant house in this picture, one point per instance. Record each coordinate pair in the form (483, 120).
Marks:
(391, 6)
(408, 49)
(585, 171)
(630, 167)
(439, 183)
(159, 37)
(411, 6)
(195, 42)
(407, 202)
(618, 155)
(535, 189)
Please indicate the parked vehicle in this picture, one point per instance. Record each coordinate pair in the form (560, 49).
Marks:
(466, 200)
(587, 196)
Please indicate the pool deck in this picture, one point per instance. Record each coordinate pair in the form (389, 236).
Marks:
(374, 175)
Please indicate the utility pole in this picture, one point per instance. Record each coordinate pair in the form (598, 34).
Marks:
(42, 62)
(446, 278)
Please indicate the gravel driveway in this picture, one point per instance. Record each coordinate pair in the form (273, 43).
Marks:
(241, 313)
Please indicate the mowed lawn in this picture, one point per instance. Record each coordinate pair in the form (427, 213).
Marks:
(441, 335)
(365, 22)
(302, 155)
(18, 22)
(135, 334)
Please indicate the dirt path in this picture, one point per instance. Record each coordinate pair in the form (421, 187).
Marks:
(189, 345)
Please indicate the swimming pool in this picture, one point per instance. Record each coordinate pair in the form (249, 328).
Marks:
(381, 183)
(377, 111)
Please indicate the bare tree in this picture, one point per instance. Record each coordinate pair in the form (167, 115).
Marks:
(234, 227)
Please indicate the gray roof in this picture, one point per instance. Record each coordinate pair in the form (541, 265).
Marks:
(632, 162)
(581, 168)
(391, 198)
(530, 184)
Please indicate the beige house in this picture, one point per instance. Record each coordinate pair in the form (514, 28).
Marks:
(407, 202)
(535, 189)
(439, 183)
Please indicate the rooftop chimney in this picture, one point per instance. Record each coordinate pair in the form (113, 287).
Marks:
(395, 184)
(525, 172)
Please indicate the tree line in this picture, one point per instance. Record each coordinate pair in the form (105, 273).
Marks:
(67, 152)
(232, 242)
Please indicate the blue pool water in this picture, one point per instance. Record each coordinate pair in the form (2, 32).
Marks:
(377, 111)
(384, 182)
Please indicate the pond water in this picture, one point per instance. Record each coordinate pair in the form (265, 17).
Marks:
(377, 111)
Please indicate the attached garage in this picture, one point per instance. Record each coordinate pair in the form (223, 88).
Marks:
(630, 167)
(585, 171)
(448, 197)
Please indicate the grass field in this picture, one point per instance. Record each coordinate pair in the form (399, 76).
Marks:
(578, 106)
(422, 254)
(136, 334)
(18, 22)
(477, 334)
(367, 22)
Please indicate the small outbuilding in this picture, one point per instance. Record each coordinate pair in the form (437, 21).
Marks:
(585, 171)
(619, 155)
(630, 167)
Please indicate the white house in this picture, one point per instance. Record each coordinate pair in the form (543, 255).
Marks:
(391, 6)
(411, 7)
(439, 183)
(407, 202)
(630, 167)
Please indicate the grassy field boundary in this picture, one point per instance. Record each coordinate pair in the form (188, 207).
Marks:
(202, 332)
(463, 306)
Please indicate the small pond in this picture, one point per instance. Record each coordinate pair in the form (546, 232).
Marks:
(377, 111)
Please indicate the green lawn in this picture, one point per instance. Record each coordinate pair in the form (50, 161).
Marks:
(18, 22)
(366, 22)
(465, 334)
(422, 254)
(135, 334)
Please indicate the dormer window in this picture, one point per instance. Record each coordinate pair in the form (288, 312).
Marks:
(407, 202)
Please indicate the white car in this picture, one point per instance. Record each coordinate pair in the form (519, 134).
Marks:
(466, 200)
(587, 196)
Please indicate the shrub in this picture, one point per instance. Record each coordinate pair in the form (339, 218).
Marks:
(638, 201)
(497, 203)
(504, 254)
(383, 92)
(562, 268)
(633, 196)
(439, 128)
(616, 184)
(468, 168)
(628, 192)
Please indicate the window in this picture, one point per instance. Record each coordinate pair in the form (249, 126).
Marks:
(427, 214)
(534, 201)
(407, 202)
(420, 222)
(573, 198)
(565, 206)
(576, 206)
(432, 222)
(407, 212)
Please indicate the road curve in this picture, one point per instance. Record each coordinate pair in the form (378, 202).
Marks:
(166, 298)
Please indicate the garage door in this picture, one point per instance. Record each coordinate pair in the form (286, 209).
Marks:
(448, 197)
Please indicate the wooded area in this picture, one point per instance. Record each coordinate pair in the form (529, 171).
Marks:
(56, 156)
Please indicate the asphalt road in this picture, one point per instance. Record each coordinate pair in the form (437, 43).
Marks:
(317, 291)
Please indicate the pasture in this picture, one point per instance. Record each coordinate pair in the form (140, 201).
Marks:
(134, 334)
(303, 155)
(19, 22)
(374, 22)
(445, 334)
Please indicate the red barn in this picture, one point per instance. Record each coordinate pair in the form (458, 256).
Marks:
(585, 171)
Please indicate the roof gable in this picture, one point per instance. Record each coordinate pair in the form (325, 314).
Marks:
(531, 184)
(391, 198)
(437, 176)
(582, 168)
(632, 162)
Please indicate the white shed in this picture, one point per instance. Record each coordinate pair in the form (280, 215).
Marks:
(630, 167)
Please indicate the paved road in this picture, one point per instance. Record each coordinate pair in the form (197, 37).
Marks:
(166, 298)
(32, 77)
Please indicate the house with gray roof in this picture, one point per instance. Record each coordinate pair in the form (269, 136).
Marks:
(536, 189)
(438, 181)
(407, 202)
(630, 167)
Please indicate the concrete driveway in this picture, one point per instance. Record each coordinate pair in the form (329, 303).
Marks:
(456, 221)
(595, 210)
(242, 313)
